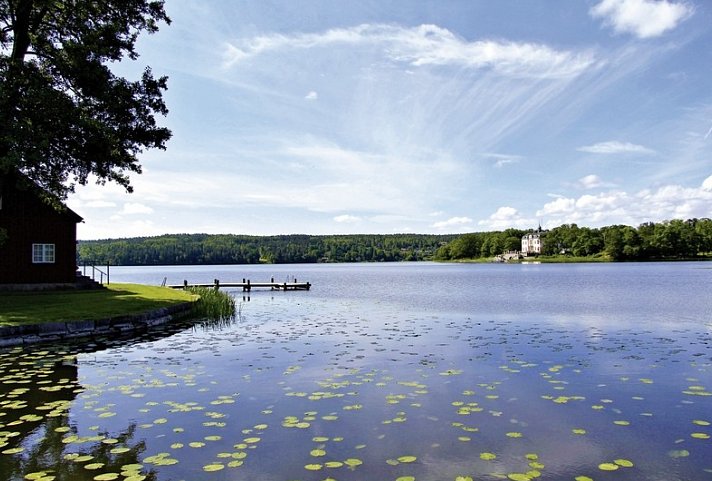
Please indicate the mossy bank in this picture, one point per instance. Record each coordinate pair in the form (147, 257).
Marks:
(47, 316)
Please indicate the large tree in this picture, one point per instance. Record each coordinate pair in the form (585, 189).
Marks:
(64, 115)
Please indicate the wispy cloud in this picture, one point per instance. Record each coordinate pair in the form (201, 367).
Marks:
(642, 18)
(133, 208)
(615, 147)
(425, 45)
(311, 95)
(502, 160)
(347, 219)
(453, 222)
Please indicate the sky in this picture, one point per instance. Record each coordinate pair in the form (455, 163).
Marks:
(429, 116)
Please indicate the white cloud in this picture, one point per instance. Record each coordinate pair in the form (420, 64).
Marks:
(452, 222)
(619, 207)
(615, 147)
(642, 18)
(97, 204)
(426, 45)
(707, 184)
(131, 208)
(312, 95)
(347, 219)
(591, 181)
(504, 218)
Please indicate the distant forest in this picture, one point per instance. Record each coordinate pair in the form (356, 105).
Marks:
(196, 249)
(674, 239)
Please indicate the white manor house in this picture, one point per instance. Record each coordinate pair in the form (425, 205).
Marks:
(533, 242)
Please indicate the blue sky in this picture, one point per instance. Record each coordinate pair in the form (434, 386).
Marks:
(443, 116)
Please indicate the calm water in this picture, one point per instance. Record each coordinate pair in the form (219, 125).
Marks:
(385, 372)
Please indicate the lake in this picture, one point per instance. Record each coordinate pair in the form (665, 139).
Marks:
(408, 371)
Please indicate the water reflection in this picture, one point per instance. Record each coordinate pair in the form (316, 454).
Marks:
(309, 388)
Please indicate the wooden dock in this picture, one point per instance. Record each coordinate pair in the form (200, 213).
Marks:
(246, 285)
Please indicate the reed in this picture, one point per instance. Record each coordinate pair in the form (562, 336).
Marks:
(212, 304)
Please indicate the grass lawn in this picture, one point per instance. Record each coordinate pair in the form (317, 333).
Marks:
(116, 300)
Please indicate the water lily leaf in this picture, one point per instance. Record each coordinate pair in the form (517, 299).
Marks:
(213, 467)
(406, 478)
(488, 456)
(353, 462)
(313, 467)
(700, 435)
(519, 477)
(13, 450)
(624, 463)
(407, 459)
(608, 466)
(106, 477)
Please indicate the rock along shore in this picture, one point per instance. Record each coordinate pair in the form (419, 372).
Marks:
(58, 331)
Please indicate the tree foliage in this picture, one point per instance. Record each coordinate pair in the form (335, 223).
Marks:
(241, 249)
(64, 115)
(673, 239)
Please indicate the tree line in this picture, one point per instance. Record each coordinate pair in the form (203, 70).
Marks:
(671, 239)
(196, 249)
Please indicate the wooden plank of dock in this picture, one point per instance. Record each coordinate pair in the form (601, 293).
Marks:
(247, 285)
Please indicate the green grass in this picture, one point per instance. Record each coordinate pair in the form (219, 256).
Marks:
(116, 300)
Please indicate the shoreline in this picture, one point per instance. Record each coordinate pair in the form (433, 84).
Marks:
(26, 334)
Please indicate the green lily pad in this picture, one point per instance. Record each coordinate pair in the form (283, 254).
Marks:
(106, 477)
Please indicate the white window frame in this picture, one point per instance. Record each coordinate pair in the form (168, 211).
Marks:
(43, 253)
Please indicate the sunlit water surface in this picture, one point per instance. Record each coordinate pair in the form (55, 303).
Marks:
(384, 372)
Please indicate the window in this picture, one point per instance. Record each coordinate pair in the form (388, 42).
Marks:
(42, 253)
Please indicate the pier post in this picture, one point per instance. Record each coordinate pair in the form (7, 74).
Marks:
(185, 284)
(248, 286)
(217, 284)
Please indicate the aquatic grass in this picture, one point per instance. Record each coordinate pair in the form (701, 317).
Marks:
(212, 304)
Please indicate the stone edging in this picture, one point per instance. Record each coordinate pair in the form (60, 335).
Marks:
(57, 331)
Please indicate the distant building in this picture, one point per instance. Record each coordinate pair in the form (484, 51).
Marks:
(38, 243)
(533, 242)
